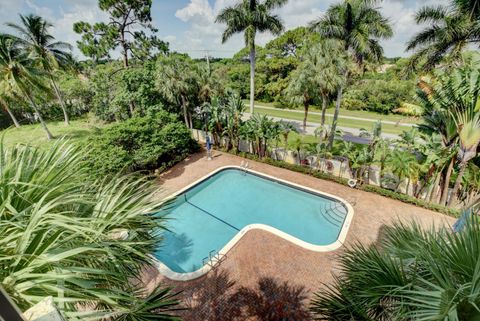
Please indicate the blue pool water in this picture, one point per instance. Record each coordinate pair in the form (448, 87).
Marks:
(210, 214)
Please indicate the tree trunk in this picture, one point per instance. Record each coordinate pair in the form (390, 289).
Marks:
(335, 117)
(463, 166)
(382, 170)
(434, 186)
(252, 75)
(324, 109)
(131, 104)
(446, 182)
(400, 181)
(131, 108)
(124, 52)
(184, 106)
(12, 116)
(60, 100)
(42, 122)
(305, 116)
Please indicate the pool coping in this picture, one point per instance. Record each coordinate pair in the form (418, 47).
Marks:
(176, 276)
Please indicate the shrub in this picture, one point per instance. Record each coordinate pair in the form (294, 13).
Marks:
(83, 242)
(409, 274)
(141, 143)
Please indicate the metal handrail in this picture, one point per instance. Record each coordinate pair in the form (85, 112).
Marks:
(214, 259)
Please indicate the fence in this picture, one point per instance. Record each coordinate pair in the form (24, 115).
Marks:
(337, 166)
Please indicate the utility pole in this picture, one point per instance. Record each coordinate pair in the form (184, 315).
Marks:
(208, 61)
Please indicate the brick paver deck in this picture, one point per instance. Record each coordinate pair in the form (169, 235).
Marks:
(261, 254)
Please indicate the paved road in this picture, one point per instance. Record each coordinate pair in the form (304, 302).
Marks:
(340, 116)
(350, 134)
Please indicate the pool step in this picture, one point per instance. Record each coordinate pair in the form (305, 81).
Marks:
(334, 213)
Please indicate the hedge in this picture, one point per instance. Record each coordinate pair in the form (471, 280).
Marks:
(367, 188)
(140, 144)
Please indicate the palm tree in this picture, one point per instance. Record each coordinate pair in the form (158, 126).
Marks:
(452, 28)
(176, 81)
(250, 17)
(286, 129)
(410, 274)
(444, 99)
(468, 124)
(208, 82)
(235, 109)
(436, 158)
(260, 130)
(50, 54)
(302, 88)
(327, 60)
(20, 75)
(404, 165)
(80, 240)
(359, 26)
(382, 154)
(217, 118)
(4, 101)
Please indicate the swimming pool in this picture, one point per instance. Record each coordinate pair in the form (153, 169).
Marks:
(211, 215)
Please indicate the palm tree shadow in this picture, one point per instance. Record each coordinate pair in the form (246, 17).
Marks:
(381, 235)
(218, 298)
(176, 247)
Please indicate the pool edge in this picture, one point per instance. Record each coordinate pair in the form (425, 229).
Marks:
(176, 276)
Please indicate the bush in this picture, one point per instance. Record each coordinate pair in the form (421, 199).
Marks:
(141, 143)
(409, 199)
(378, 95)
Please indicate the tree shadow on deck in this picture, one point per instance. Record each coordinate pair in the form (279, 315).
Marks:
(218, 298)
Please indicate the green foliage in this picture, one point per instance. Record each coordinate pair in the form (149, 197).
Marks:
(409, 109)
(451, 29)
(290, 42)
(20, 75)
(141, 143)
(100, 39)
(359, 25)
(410, 200)
(93, 44)
(411, 274)
(176, 80)
(137, 85)
(76, 92)
(250, 17)
(80, 240)
(381, 96)
(103, 84)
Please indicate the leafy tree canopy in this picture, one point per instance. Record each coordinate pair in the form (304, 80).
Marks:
(129, 27)
(290, 42)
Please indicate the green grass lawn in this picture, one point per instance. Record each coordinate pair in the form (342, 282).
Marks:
(351, 123)
(79, 130)
(34, 135)
(353, 113)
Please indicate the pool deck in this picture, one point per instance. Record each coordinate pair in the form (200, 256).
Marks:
(261, 254)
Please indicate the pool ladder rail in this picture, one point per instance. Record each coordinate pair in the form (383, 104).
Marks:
(244, 165)
(214, 259)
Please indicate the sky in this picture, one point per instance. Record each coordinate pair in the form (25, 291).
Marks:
(189, 25)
